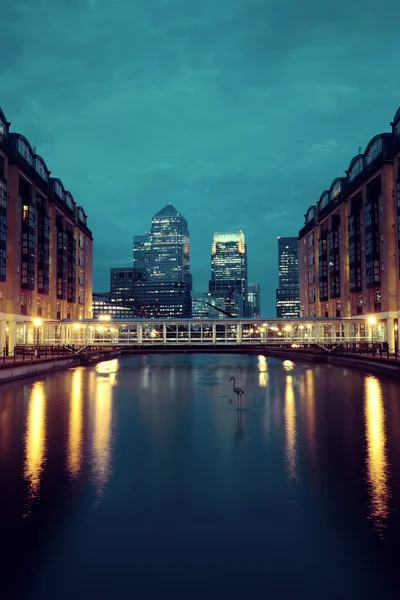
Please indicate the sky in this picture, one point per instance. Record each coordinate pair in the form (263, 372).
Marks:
(238, 112)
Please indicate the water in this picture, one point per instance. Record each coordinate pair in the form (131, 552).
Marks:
(139, 478)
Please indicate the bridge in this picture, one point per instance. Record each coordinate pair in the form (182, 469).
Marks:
(190, 334)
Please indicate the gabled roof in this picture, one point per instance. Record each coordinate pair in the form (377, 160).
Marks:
(168, 211)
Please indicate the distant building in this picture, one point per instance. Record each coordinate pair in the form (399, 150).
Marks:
(170, 252)
(166, 251)
(228, 281)
(163, 299)
(45, 244)
(142, 252)
(201, 308)
(104, 305)
(254, 300)
(287, 294)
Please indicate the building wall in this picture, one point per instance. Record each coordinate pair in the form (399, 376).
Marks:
(37, 206)
(364, 206)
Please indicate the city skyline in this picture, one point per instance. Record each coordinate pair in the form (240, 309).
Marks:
(216, 109)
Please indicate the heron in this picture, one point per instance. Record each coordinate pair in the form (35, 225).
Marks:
(238, 391)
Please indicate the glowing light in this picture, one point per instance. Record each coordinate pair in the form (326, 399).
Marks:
(263, 374)
(76, 325)
(377, 462)
(309, 325)
(104, 317)
(288, 365)
(371, 320)
(35, 438)
(301, 326)
(37, 322)
(295, 346)
(75, 425)
(107, 366)
(288, 328)
(101, 445)
(290, 427)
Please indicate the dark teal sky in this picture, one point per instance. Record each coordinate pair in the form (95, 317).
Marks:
(239, 112)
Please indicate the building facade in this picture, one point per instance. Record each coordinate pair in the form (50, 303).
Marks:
(228, 281)
(254, 301)
(349, 247)
(45, 244)
(288, 294)
(142, 252)
(170, 247)
(165, 253)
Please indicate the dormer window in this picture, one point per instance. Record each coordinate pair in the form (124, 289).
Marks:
(40, 169)
(69, 202)
(397, 129)
(336, 190)
(310, 215)
(324, 201)
(356, 169)
(2, 129)
(58, 190)
(374, 151)
(24, 151)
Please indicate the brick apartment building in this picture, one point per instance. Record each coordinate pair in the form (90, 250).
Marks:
(45, 244)
(349, 247)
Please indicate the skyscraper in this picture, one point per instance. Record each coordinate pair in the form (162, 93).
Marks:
(229, 271)
(166, 252)
(288, 295)
(253, 300)
(142, 252)
(170, 252)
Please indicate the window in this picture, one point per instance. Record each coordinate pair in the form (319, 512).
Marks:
(324, 201)
(310, 214)
(374, 151)
(310, 240)
(81, 297)
(69, 201)
(40, 169)
(336, 189)
(58, 190)
(356, 169)
(24, 151)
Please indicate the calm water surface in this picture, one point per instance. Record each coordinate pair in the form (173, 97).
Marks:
(139, 479)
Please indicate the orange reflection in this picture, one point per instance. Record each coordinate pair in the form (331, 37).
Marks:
(290, 427)
(75, 425)
(310, 401)
(35, 438)
(262, 371)
(377, 462)
(101, 446)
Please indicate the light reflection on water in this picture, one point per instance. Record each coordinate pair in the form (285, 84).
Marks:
(35, 438)
(102, 421)
(377, 462)
(74, 457)
(290, 427)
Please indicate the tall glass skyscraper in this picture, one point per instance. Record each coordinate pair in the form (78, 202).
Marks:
(166, 252)
(229, 271)
(170, 253)
(288, 295)
(142, 252)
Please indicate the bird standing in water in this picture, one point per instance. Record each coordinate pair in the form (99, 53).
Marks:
(238, 391)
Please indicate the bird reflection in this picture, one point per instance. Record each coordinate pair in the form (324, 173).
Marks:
(101, 446)
(377, 462)
(239, 427)
(290, 426)
(75, 425)
(262, 371)
(35, 439)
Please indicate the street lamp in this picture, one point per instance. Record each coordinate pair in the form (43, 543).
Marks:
(37, 323)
